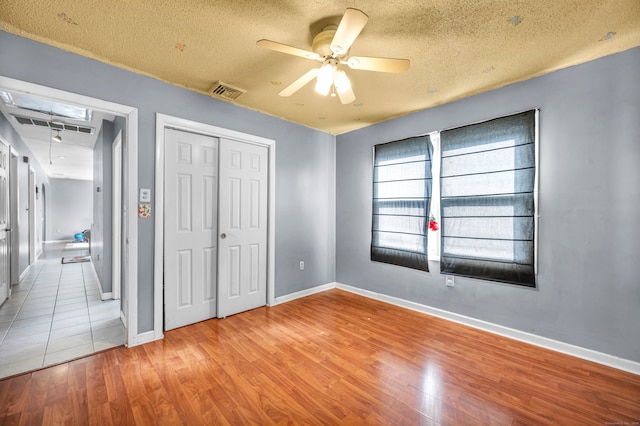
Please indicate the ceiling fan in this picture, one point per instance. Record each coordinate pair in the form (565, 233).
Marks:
(331, 47)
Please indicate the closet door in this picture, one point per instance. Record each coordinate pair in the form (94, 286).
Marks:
(242, 278)
(190, 228)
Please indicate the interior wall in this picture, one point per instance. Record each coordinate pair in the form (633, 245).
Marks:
(21, 229)
(101, 192)
(589, 204)
(71, 207)
(305, 192)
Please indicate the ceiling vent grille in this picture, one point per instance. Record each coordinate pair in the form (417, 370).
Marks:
(55, 125)
(227, 91)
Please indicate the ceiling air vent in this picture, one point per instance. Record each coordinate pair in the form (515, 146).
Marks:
(55, 125)
(226, 91)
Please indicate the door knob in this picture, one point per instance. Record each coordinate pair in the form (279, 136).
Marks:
(223, 236)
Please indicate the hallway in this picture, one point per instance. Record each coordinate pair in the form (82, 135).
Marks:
(55, 314)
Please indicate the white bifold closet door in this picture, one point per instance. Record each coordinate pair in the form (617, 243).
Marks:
(215, 228)
(190, 228)
(243, 201)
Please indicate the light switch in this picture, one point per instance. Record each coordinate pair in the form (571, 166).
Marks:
(145, 195)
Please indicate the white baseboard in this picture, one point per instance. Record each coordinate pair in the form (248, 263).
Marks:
(24, 273)
(554, 345)
(103, 295)
(304, 293)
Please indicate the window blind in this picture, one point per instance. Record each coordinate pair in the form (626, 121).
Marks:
(487, 180)
(401, 201)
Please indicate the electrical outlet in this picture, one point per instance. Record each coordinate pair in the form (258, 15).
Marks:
(301, 265)
(448, 280)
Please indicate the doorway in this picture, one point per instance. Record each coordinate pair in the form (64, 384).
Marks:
(164, 122)
(130, 196)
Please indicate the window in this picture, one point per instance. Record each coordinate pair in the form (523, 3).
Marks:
(484, 199)
(401, 202)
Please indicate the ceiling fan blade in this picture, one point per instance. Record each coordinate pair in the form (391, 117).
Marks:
(285, 48)
(347, 96)
(378, 64)
(350, 26)
(299, 83)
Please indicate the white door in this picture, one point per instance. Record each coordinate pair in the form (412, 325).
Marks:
(190, 227)
(242, 278)
(5, 258)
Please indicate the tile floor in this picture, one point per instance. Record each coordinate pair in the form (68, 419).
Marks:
(55, 314)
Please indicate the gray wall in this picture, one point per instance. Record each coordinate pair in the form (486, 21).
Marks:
(589, 203)
(71, 207)
(21, 231)
(305, 213)
(102, 201)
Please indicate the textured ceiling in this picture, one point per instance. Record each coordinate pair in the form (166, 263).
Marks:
(457, 48)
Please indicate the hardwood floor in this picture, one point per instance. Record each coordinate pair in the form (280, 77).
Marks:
(330, 358)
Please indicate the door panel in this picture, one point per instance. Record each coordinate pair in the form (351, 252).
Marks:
(5, 258)
(243, 227)
(190, 228)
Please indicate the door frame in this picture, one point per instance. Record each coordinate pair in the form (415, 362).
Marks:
(14, 203)
(33, 252)
(163, 122)
(116, 214)
(133, 338)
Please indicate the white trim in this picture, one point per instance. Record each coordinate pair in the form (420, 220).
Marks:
(304, 293)
(166, 121)
(131, 116)
(554, 345)
(33, 209)
(24, 273)
(103, 295)
(57, 241)
(116, 212)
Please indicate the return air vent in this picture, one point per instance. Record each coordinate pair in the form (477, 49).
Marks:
(226, 91)
(55, 125)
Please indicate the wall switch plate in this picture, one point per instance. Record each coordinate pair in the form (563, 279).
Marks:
(448, 280)
(145, 195)
(301, 265)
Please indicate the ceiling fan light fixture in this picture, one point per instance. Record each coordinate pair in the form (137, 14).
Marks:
(342, 82)
(57, 137)
(325, 79)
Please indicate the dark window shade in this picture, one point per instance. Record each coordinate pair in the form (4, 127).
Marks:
(487, 179)
(401, 202)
